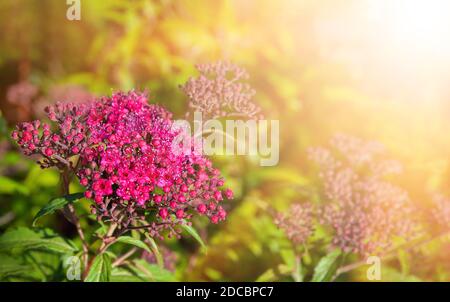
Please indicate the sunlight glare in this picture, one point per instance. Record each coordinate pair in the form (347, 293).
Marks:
(421, 26)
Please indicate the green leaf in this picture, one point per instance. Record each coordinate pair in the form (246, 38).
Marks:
(31, 266)
(274, 275)
(133, 241)
(11, 270)
(57, 204)
(267, 276)
(155, 250)
(120, 274)
(9, 186)
(151, 271)
(3, 127)
(24, 239)
(100, 270)
(10, 267)
(288, 256)
(102, 230)
(191, 231)
(326, 267)
(403, 258)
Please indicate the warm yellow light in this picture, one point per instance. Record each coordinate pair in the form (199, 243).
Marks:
(421, 26)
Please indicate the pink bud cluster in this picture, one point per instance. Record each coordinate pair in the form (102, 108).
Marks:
(365, 212)
(297, 223)
(126, 162)
(55, 147)
(61, 93)
(219, 91)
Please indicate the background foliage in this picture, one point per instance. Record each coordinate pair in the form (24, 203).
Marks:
(315, 80)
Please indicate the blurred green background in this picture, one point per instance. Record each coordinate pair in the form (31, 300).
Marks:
(320, 67)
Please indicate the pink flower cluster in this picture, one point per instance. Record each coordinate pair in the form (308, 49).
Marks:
(55, 147)
(126, 161)
(219, 91)
(365, 212)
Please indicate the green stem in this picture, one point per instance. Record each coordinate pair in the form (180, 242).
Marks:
(107, 240)
(70, 213)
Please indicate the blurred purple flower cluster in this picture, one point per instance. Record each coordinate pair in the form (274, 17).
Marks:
(21, 93)
(219, 92)
(297, 223)
(365, 212)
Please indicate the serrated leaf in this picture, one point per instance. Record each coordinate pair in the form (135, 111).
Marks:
(326, 267)
(10, 270)
(191, 231)
(155, 250)
(43, 240)
(31, 266)
(10, 267)
(120, 274)
(133, 241)
(56, 204)
(152, 271)
(100, 270)
(111, 254)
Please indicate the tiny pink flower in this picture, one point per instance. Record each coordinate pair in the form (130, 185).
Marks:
(202, 208)
(163, 213)
(180, 213)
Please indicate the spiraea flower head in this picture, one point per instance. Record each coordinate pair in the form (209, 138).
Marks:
(365, 212)
(55, 146)
(219, 91)
(126, 162)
